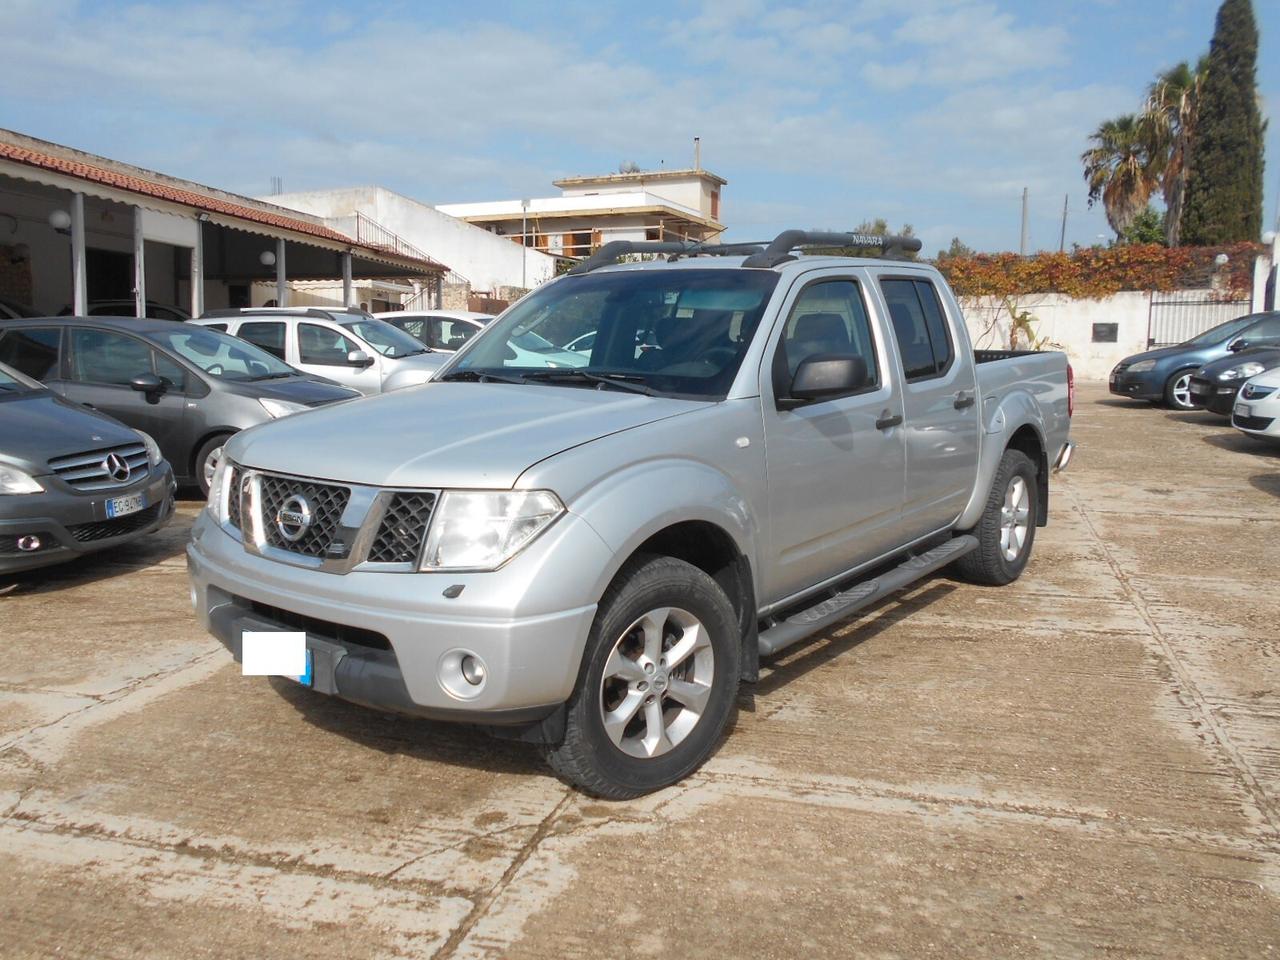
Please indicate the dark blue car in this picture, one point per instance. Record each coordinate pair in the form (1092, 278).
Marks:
(1163, 376)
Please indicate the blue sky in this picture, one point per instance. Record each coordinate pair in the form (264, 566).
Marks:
(820, 114)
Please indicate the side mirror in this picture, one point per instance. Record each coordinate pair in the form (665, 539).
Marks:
(147, 383)
(1235, 346)
(826, 375)
(358, 358)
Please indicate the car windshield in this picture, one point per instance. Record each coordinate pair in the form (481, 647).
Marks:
(388, 340)
(681, 332)
(221, 355)
(11, 381)
(1221, 332)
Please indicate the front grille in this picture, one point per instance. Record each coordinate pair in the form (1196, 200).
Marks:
(117, 527)
(1119, 368)
(233, 497)
(326, 502)
(340, 633)
(1253, 423)
(403, 528)
(89, 470)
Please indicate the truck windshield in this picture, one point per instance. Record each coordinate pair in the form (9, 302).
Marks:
(681, 332)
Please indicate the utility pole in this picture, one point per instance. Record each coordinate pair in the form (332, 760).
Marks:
(1022, 245)
(524, 244)
(1062, 237)
(697, 153)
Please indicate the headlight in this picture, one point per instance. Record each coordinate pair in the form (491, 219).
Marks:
(482, 529)
(1142, 366)
(281, 408)
(218, 488)
(13, 480)
(1243, 370)
(154, 456)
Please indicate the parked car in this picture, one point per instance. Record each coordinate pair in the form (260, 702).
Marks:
(593, 558)
(449, 332)
(1163, 376)
(72, 480)
(1257, 411)
(1215, 385)
(188, 387)
(351, 347)
(127, 308)
(15, 309)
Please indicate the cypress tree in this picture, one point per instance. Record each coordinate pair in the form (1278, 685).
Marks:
(1224, 192)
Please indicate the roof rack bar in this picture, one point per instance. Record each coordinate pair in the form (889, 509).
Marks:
(779, 249)
(614, 249)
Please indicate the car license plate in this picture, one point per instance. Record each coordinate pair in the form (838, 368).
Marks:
(1243, 410)
(123, 506)
(305, 679)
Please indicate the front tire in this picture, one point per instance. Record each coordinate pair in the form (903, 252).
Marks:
(1007, 529)
(1177, 391)
(657, 685)
(206, 461)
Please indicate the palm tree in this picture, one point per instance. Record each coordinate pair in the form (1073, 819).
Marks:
(1170, 118)
(1120, 170)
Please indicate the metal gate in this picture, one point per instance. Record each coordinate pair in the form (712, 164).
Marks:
(1181, 314)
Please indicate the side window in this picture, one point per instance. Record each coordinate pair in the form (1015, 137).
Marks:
(320, 345)
(828, 317)
(919, 326)
(174, 374)
(1265, 332)
(452, 334)
(216, 326)
(415, 327)
(104, 356)
(32, 350)
(268, 335)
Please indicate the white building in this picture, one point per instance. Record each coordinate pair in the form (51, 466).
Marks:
(381, 217)
(591, 211)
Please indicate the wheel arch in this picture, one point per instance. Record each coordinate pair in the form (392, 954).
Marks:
(1016, 423)
(199, 442)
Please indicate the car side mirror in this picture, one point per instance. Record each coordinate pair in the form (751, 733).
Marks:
(825, 375)
(147, 383)
(358, 358)
(1235, 346)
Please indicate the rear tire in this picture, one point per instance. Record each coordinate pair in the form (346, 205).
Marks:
(657, 684)
(1177, 391)
(1007, 529)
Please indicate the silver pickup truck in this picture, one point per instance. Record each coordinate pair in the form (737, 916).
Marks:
(593, 558)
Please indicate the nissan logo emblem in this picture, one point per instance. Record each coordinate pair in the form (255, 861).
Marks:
(116, 467)
(293, 519)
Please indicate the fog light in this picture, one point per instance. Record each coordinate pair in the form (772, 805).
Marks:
(472, 670)
(29, 543)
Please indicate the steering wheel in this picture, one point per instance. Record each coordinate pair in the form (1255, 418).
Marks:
(214, 370)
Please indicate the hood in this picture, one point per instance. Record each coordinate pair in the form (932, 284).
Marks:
(1161, 352)
(1269, 378)
(446, 434)
(37, 427)
(308, 390)
(426, 361)
(1267, 356)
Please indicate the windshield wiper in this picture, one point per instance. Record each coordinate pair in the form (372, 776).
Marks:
(272, 376)
(627, 381)
(482, 376)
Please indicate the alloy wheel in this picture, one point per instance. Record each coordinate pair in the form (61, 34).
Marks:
(210, 466)
(1182, 391)
(1015, 518)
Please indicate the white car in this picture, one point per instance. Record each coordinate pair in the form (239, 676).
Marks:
(1257, 408)
(350, 347)
(447, 331)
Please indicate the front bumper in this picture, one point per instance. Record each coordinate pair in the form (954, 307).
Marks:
(393, 641)
(1259, 418)
(1139, 386)
(69, 524)
(1212, 396)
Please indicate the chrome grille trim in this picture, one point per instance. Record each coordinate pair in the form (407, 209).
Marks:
(87, 471)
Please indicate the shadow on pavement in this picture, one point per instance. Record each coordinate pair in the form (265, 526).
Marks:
(166, 543)
(1201, 418)
(1238, 442)
(1267, 483)
(1123, 403)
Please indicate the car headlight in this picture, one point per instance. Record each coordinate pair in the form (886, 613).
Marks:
(218, 488)
(1242, 371)
(13, 480)
(154, 456)
(1142, 366)
(483, 529)
(281, 408)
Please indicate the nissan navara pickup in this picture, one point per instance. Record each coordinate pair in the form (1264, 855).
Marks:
(593, 558)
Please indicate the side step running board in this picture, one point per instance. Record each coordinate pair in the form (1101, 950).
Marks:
(809, 621)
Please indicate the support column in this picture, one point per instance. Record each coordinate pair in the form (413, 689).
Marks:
(282, 291)
(79, 282)
(197, 272)
(139, 266)
(346, 278)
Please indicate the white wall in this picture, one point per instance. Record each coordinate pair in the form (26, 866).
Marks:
(486, 260)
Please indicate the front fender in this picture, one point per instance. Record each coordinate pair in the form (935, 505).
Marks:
(1016, 409)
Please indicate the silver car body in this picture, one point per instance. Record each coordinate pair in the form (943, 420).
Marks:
(808, 496)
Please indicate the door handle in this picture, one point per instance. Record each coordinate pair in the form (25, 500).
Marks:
(963, 400)
(887, 421)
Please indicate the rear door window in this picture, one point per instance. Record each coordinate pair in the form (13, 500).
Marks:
(919, 327)
(269, 335)
(32, 350)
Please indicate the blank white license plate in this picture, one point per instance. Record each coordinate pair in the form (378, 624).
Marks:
(123, 506)
(1243, 410)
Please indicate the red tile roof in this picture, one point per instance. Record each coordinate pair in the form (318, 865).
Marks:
(200, 201)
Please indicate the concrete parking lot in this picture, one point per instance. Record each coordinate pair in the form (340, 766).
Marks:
(1085, 763)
